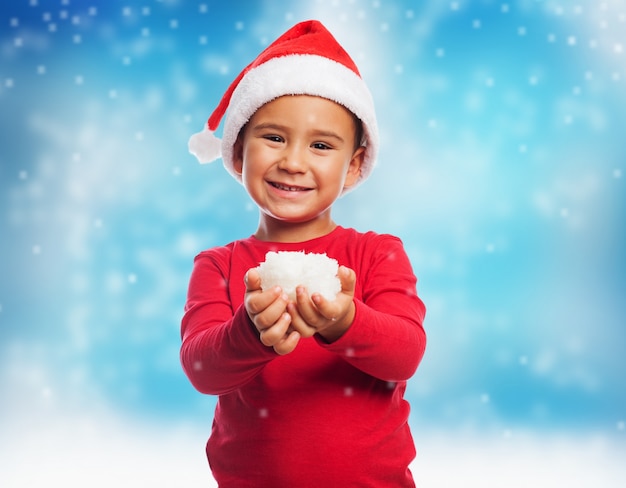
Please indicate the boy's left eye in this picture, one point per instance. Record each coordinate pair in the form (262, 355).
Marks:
(320, 145)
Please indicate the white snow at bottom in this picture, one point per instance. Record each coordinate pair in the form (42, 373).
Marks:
(104, 451)
(525, 460)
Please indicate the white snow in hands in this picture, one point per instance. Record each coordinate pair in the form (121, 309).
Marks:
(288, 269)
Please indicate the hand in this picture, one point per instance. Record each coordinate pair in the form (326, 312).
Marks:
(267, 311)
(315, 314)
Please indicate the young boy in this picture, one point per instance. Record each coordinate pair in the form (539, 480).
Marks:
(310, 390)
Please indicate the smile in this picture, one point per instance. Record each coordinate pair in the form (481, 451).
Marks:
(288, 188)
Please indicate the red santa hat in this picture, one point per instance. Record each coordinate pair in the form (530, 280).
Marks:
(305, 60)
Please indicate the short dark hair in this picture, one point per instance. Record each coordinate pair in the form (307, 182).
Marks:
(358, 132)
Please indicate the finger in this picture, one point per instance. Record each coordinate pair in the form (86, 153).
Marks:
(287, 344)
(271, 314)
(347, 277)
(326, 309)
(298, 323)
(332, 311)
(306, 307)
(259, 301)
(252, 280)
(335, 309)
(274, 334)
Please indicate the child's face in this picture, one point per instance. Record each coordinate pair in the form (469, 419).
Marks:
(296, 156)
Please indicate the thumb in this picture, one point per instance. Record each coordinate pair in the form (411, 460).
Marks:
(252, 279)
(347, 277)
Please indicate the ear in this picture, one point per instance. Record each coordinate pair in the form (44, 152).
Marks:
(238, 156)
(354, 168)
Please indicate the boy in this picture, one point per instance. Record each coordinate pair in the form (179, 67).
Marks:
(310, 390)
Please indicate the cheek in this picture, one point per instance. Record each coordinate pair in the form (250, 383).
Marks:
(340, 172)
(251, 174)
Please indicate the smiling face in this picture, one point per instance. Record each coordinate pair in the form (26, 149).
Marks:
(296, 155)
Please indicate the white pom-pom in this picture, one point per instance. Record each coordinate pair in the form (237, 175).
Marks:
(205, 146)
(316, 272)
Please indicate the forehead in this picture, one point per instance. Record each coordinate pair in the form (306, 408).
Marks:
(306, 107)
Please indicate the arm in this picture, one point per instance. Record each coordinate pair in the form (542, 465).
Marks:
(386, 338)
(220, 348)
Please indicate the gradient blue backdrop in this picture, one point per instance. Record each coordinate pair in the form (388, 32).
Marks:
(501, 168)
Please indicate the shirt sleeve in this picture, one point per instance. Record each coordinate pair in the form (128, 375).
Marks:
(220, 349)
(386, 339)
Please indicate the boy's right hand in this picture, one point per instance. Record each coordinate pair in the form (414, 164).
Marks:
(268, 312)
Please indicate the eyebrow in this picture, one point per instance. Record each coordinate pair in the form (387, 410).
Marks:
(268, 125)
(316, 133)
(328, 133)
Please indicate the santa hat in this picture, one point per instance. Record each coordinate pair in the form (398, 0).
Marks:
(305, 60)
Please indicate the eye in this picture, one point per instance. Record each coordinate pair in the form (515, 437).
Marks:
(321, 146)
(273, 138)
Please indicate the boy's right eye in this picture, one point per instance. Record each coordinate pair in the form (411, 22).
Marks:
(273, 138)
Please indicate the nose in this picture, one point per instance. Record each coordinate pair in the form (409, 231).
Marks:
(293, 159)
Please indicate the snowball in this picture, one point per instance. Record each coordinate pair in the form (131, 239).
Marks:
(316, 272)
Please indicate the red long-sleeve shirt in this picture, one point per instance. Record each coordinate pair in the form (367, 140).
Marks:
(326, 414)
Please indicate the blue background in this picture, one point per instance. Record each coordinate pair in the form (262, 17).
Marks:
(503, 152)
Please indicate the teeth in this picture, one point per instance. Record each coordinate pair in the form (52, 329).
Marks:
(286, 188)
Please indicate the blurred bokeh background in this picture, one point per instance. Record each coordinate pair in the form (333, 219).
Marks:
(502, 165)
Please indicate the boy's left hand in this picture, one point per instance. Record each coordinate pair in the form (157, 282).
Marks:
(316, 315)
